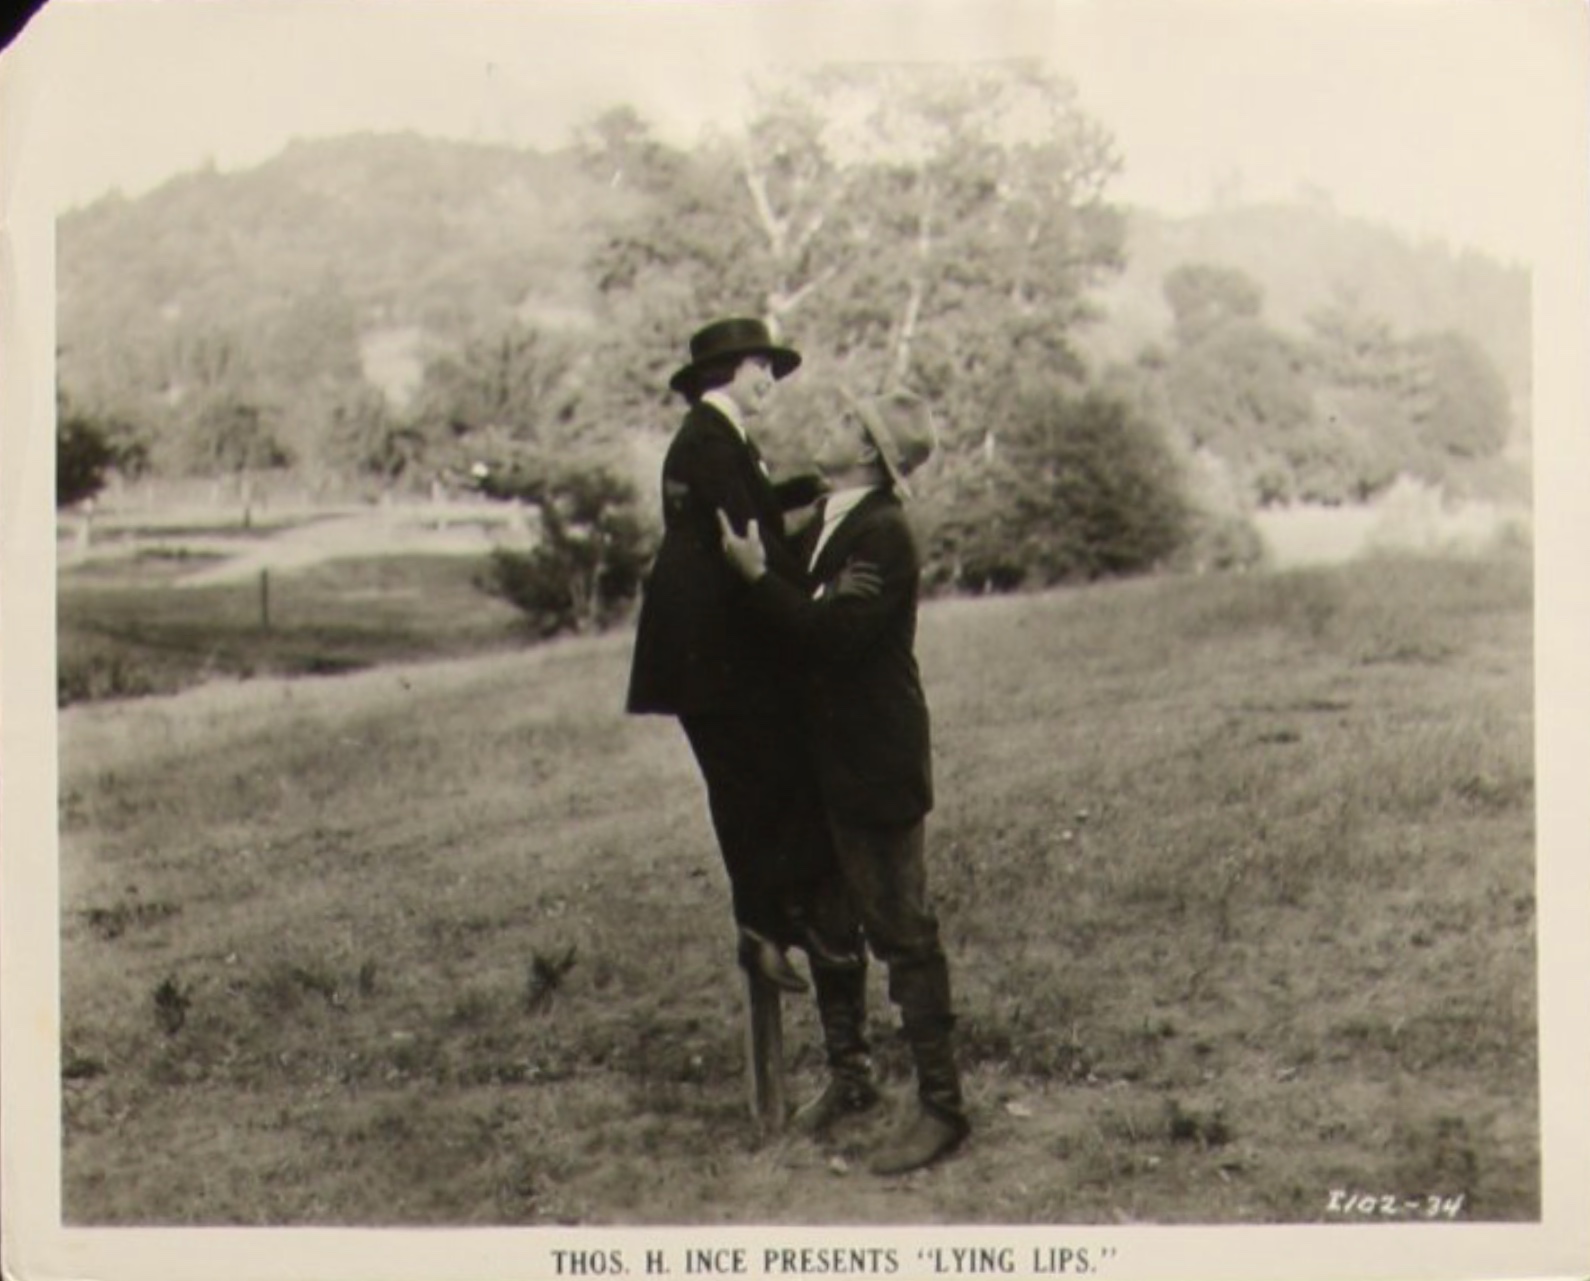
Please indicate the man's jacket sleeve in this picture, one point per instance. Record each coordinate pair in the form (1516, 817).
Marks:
(833, 630)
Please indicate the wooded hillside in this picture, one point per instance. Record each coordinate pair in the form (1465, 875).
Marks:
(381, 310)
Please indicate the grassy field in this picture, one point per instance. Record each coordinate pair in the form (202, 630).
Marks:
(126, 629)
(1236, 876)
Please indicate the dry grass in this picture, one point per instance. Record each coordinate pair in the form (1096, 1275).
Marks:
(1236, 876)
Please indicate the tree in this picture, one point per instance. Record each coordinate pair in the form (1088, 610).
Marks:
(1241, 391)
(205, 364)
(932, 226)
(1455, 396)
(1352, 346)
(675, 246)
(799, 197)
(311, 339)
(233, 437)
(516, 383)
(1204, 297)
(971, 543)
(976, 217)
(364, 437)
(1420, 406)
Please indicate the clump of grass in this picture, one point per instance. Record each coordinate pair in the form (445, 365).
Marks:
(545, 976)
(98, 673)
(473, 1008)
(519, 1188)
(416, 1057)
(110, 923)
(1304, 603)
(1207, 1128)
(1384, 630)
(1437, 1157)
(171, 1001)
(284, 985)
(80, 1067)
(316, 664)
(1396, 610)
(1475, 762)
(1405, 610)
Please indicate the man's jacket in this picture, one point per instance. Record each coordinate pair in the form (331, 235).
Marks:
(699, 648)
(867, 716)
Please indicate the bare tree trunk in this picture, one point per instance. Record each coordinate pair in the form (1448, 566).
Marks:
(787, 237)
(782, 300)
(1020, 296)
(900, 365)
(593, 609)
(580, 602)
(772, 226)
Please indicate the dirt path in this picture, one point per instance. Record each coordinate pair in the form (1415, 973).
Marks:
(382, 533)
(301, 541)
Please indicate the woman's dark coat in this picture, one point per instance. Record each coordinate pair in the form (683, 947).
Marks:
(699, 649)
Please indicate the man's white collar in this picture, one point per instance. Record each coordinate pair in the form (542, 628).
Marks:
(836, 507)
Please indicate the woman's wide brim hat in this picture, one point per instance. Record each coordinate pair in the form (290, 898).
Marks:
(901, 427)
(735, 339)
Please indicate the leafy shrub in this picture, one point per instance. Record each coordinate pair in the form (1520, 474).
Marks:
(1218, 542)
(593, 546)
(1079, 488)
(82, 457)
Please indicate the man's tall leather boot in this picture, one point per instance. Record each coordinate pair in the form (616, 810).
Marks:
(842, 1013)
(939, 1124)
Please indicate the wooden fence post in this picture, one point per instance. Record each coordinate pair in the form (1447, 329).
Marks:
(765, 1057)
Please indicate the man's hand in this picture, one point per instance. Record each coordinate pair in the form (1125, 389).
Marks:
(745, 554)
(858, 579)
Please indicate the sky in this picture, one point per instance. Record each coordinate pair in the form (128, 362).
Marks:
(1447, 118)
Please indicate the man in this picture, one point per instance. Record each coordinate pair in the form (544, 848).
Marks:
(702, 655)
(868, 723)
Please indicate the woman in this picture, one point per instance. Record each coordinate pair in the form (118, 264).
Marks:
(703, 656)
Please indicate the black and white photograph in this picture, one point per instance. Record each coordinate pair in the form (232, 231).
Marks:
(774, 638)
